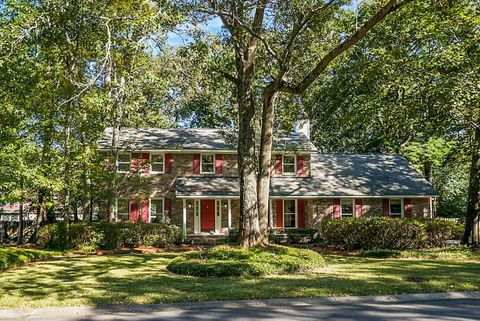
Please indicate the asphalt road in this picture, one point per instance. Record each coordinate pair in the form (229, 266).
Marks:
(426, 310)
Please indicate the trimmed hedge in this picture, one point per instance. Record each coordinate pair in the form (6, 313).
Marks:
(292, 236)
(227, 261)
(388, 233)
(13, 256)
(108, 236)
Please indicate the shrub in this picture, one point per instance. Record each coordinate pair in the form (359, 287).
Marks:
(12, 256)
(387, 233)
(380, 253)
(227, 261)
(107, 236)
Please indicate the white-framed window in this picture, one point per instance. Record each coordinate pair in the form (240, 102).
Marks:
(347, 208)
(123, 163)
(289, 213)
(289, 164)
(396, 207)
(157, 163)
(207, 164)
(156, 210)
(123, 209)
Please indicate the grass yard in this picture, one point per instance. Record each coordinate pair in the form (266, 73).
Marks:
(143, 278)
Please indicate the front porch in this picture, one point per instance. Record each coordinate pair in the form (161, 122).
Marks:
(205, 217)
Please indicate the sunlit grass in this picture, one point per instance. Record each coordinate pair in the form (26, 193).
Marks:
(143, 278)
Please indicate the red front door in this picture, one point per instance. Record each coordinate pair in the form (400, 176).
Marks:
(207, 215)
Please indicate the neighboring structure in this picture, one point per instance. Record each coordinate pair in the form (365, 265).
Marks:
(10, 212)
(189, 176)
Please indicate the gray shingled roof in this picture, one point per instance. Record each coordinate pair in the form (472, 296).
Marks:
(192, 139)
(333, 175)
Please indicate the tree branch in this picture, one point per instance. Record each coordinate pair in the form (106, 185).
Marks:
(391, 6)
(227, 76)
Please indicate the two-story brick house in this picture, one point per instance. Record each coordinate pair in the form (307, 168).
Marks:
(190, 177)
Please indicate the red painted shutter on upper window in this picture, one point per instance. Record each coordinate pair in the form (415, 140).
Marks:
(134, 162)
(301, 213)
(358, 207)
(145, 160)
(407, 204)
(386, 207)
(336, 208)
(145, 211)
(300, 169)
(218, 164)
(196, 163)
(279, 213)
(168, 163)
(168, 207)
(133, 210)
(278, 164)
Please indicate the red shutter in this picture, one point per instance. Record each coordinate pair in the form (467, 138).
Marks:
(336, 208)
(168, 208)
(134, 162)
(133, 210)
(196, 164)
(278, 164)
(300, 169)
(386, 207)
(279, 213)
(168, 163)
(407, 204)
(145, 160)
(218, 164)
(358, 207)
(145, 211)
(301, 213)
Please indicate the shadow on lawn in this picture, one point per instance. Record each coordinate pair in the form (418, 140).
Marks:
(122, 279)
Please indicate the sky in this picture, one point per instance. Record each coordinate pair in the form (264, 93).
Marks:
(175, 40)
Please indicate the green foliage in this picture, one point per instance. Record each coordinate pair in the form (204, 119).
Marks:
(227, 261)
(444, 253)
(380, 253)
(13, 256)
(388, 233)
(107, 236)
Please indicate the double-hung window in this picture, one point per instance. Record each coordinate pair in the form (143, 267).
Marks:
(347, 208)
(123, 209)
(396, 207)
(157, 163)
(156, 210)
(289, 213)
(123, 163)
(207, 164)
(288, 164)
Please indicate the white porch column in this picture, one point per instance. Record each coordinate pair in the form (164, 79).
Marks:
(184, 221)
(229, 220)
(270, 214)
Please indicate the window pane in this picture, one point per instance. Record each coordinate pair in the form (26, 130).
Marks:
(124, 158)
(123, 217)
(289, 206)
(156, 167)
(395, 206)
(289, 220)
(207, 168)
(124, 167)
(288, 168)
(123, 206)
(207, 159)
(347, 207)
(289, 159)
(157, 158)
(156, 207)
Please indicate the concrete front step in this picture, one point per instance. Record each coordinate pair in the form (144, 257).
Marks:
(207, 239)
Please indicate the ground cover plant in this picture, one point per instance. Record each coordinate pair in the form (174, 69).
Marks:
(228, 261)
(451, 253)
(13, 256)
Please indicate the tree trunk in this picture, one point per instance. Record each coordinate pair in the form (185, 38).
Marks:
(473, 206)
(427, 170)
(247, 161)
(20, 220)
(266, 141)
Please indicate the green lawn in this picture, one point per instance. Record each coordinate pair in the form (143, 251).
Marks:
(143, 278)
